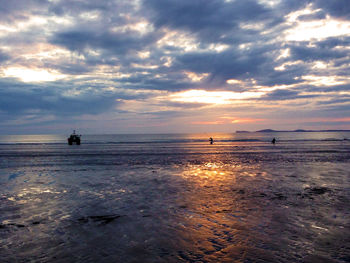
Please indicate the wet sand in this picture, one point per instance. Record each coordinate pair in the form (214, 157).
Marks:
(174, 203)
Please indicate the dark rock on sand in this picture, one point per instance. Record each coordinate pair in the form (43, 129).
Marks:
(309, 192)
(102, 219)
(11, 224)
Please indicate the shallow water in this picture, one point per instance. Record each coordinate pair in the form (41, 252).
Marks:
(176, 198)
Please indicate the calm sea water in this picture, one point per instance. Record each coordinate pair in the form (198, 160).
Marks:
(178, 138)
(176, 198)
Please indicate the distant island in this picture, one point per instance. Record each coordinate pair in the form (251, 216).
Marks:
(298, 130)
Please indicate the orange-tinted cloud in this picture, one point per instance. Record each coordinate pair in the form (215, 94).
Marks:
(208, 122)
(239, 120)
(344, 119)
(228, 120)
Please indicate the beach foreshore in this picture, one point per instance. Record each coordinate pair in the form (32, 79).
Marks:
(183, 202)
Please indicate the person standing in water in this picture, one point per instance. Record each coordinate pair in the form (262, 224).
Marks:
(273, 141)
(211, 140)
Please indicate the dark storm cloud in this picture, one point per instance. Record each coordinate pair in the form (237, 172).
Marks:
(14, 102)
(345, 99)
(212, 21)
(315, 16)
(337, 8)
(13, 10)
(187, 105)
(115, 46)
(200, 15)
(17, 98)
(142, 82)
(333, 42)
(116, 43)
(341, 110)
(285, 94)
(281, 94)
(223, 22)
(326, 89)
(287, 6)
(304, 53)
(64, 7)
(226, 65)
(173, 79)
(290, 75)
(70, 68)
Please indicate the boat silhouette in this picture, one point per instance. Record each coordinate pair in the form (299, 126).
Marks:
(74, 138)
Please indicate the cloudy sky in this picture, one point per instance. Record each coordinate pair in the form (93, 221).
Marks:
(155, 66)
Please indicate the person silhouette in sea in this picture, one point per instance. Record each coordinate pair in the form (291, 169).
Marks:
(211, 140)
(273, 141)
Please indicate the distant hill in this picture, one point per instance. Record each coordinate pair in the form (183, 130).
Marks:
(242, 131)
(267, 130)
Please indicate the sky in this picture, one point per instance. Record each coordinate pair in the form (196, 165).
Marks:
(173, 66)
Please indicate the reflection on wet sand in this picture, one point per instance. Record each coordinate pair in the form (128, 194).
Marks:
(245, 214)
(221, 222)
(179, 205)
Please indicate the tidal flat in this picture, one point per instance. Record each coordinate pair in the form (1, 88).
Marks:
(176, 200)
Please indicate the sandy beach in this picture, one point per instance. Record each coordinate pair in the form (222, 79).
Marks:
(175, 198)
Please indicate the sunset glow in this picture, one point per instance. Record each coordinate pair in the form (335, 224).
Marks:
(213, 97)
(170, 64)
(175, 131)
(32, 75)
(307, 31)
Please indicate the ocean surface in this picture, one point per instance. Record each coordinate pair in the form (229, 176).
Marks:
(176, 198)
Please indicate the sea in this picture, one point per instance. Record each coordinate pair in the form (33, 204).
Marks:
(176, 198)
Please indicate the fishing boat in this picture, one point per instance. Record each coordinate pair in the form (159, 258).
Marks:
(74, 138)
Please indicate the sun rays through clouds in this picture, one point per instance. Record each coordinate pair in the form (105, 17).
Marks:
(165, 65)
